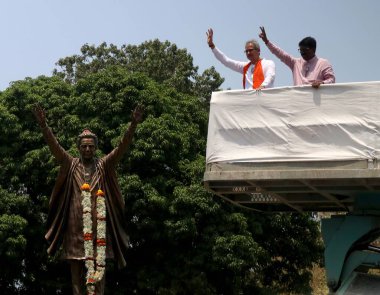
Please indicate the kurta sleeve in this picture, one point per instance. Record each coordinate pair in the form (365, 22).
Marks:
(234, 65)
(328, 74)
(285, 57)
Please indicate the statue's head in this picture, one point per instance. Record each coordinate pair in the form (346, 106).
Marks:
(87, 144)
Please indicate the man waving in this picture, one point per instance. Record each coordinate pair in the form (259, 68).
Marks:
(258, 73)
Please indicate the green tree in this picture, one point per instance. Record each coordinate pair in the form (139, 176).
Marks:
(184, 240)
(163, 62)
(12, 236)
(27, 174)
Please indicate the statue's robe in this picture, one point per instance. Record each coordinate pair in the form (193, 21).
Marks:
(65, 223)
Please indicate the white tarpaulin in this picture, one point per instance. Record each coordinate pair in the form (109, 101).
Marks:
(334, 122)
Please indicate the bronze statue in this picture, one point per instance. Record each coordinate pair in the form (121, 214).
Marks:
(86, 208)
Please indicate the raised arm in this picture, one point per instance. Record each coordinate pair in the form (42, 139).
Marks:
(263, 35)
(137, 117)
(232, 64)
(281, 54)
(58, 152)
(210, 38)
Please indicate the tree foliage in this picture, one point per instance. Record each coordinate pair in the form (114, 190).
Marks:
(163, 62)
(183, 239)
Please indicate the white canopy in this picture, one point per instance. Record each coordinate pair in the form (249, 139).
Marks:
(334, 122)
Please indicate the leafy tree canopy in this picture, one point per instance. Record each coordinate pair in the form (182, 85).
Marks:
(163, 62)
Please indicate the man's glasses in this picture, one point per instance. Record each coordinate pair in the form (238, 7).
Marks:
(303, 49)
(249, 50)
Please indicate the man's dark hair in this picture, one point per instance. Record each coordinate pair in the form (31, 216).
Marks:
(309, 42)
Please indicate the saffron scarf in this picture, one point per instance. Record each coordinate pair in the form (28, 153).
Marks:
(257, 76)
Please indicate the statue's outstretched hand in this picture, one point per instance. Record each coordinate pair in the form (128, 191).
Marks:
(40, 115)
(137, 115)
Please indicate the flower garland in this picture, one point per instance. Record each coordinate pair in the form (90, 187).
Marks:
(95, 266)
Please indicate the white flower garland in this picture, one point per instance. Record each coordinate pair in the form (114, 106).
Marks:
(95, 266)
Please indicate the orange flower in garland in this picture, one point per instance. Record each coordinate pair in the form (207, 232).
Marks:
(101, 242)
(87, 236)
(85, 187)
(92, 281)
(100, 193)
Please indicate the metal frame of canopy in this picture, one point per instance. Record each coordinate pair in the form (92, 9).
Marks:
(329, 186)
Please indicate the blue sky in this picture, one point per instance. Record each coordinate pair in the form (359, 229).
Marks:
(35, 34)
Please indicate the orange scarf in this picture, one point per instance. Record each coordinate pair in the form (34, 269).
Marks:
(258, 74)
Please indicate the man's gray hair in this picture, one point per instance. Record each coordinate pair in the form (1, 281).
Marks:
(256, 44)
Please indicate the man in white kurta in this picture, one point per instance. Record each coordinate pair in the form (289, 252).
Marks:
(258, 73)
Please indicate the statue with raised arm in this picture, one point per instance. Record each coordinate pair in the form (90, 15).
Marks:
(86, 208)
